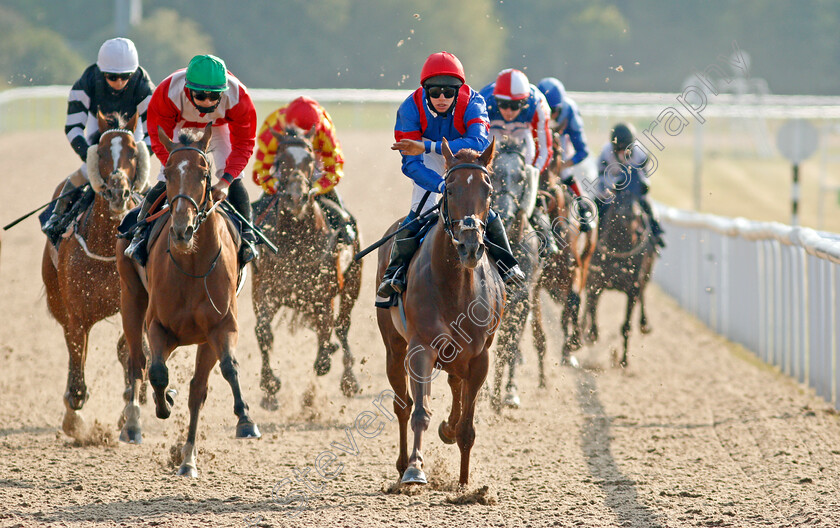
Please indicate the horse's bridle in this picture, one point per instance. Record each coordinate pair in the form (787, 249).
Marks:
(114, 171)
(201, 211)
(504, 149)
(295, 141)
(469, 223)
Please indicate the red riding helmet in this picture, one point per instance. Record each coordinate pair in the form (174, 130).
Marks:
(442, 63)
(512, 85)
(303, 113)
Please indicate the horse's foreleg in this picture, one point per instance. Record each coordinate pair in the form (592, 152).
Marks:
(205, 360)
(625, 328)
(466, 429)
(76, 337)
(420, 361)
(448, 428)
(323, 329)
(539, 336)
(518, 319)
(265, 307)
(591, 311)
(352, 282)
(643, 322)
(223, 343)
(162, 344)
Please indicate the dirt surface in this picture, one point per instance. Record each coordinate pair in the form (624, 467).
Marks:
(693, 433)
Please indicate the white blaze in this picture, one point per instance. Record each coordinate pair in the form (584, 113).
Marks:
(116, 148)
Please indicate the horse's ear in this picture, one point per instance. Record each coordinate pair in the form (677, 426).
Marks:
(164, 139)
(205, 138)
(487, 156)
(278, 134)
(132, 123)
(446, 151)
(311, 133)
(103, 123)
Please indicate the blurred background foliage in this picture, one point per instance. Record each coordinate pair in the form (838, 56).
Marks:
(382, 43)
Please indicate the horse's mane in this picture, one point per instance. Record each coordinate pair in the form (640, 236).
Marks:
(115, 120)
(188, 137)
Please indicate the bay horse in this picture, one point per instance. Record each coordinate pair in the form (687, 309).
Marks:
(192, 273)
(312, 270)
(566, 273)
(80, 276)
(514, 195)
(623, 261)
(447, 317)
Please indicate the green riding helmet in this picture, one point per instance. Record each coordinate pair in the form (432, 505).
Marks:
(207, 73)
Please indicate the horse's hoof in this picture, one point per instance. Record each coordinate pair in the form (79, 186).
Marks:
(187, 471)
(131, 435)
(413, 475)
(573, 344)
(269, 403)
(349, 385)
(645, 329)
(568, 360)
(446, 439)
(512, 400)
(542, 384)
(170, 396)
(247, 430)
(73, 424)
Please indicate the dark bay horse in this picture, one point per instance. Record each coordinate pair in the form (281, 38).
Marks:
(311, 270)
(191, 273)
(447, 316)
(514, 194)
(565, 274)
(623, 261)
(80, 276)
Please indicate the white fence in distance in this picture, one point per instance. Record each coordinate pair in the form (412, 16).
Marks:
(771, 287)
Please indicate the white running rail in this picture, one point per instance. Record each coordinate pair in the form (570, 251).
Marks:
(771, 287)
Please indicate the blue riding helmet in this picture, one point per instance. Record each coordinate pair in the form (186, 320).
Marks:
(554, 91)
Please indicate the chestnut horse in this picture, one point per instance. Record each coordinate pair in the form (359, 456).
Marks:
(311, 270)
(79, 276)
(623, 261)
(191, 297)
(447, 317)
(565, 274)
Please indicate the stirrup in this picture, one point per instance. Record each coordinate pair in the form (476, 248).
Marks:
(247, 252)
(512, 275)
(391, 285)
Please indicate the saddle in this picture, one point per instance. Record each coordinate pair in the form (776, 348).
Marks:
(420, 237)
(81, 201)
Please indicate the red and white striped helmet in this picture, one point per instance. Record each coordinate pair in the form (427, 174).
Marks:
(512, 85)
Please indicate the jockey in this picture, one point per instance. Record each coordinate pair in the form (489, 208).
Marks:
(623, 165)
(306, 114)
(518, 109)
(206, 93)
(566, 121)
(116, 83)
(443, 107)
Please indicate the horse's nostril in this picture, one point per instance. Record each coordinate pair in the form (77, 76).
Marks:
(126, 193)
(188, 233)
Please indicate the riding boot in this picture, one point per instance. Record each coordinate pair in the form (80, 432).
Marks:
(655, 227)
(56, 224)
(394, 279)
(541, 223)
(135, 249)
(499, 249)
(238, 198)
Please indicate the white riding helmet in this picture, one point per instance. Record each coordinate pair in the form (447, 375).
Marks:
(118, 55)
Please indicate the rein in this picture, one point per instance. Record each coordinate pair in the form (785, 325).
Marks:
(469, 223)
(202, 212)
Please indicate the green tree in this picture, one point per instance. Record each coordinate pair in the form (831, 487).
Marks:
(34, 55)
(167, 41)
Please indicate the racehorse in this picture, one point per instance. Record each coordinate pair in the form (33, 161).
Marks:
(565, 274)
(191, 273)
(623, 261)
(514, 194)
(79, 276)
(312, 270)
(447, 316)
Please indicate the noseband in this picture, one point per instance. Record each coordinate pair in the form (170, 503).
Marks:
(202, 211)
(468, 223)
